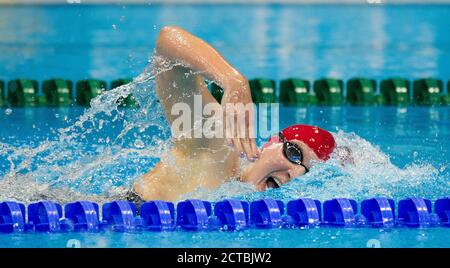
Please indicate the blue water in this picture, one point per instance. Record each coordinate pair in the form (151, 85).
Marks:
(321, 237)
(401, 151)
(276, 41)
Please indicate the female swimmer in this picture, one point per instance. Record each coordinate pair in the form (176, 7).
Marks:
(208, 162)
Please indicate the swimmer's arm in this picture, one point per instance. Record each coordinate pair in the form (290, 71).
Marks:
(178, 45)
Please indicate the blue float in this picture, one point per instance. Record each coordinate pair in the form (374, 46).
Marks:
(194, 215)
(415, 212)
(304, 212)
(46, 216)
(197, 215)
(266, 213)
(379, 212)
(12, 217)
(340, 212)
(442, 209)
(83, 215)
(158, 215)
(120, 216)
(232, 214)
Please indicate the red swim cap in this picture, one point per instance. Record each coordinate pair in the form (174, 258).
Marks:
(319, 140)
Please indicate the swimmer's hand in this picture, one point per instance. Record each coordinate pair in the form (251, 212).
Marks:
(239, 113)
(179, 45)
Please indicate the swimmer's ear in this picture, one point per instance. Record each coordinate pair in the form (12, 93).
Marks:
(345, 155)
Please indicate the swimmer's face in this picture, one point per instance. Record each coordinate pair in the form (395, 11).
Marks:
(272, 168)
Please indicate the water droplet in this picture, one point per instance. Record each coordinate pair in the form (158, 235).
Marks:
(139, 144)
(73, 243)
(373, 243)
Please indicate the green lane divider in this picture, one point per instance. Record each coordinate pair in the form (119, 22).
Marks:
(361, 91)
(379, 99)
(329, 91)
(120, 82)
(313, 98)
(445, 99)
(427, 91)
(23, 93)
(216, 91)
(263, 90)
(395, 91)
(89, 89)
(2, 93)
(57, 92)
(129, 101)
(295, 91)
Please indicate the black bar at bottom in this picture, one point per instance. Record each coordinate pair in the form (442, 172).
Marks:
(200, 257)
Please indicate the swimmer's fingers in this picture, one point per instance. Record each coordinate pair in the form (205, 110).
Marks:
(238, 146)
(231, 133)
(250, 133)
(247, 133)
(249, 149)
(238, 134)
(240, 129)
(255, 150)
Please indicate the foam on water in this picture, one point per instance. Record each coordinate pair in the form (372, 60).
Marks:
(370, 174)
(95, 153)
(98, 156)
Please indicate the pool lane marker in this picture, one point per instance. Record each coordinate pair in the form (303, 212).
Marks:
(2, 94)
(199, 215)
(293, 91)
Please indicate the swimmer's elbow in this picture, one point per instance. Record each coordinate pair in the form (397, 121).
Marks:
(167, 36)
(168, 30)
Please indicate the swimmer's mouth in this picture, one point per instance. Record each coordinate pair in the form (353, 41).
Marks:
(272, 182)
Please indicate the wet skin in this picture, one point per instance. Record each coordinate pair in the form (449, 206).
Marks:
(208, 162)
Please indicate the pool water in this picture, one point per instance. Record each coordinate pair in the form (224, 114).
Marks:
(320, 237)
(67, 154)
(274, 41)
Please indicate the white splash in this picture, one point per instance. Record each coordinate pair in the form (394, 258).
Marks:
(370, 174)
(99, 155)
(92, 158)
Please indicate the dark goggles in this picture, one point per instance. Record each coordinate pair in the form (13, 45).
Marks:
(293, 152)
